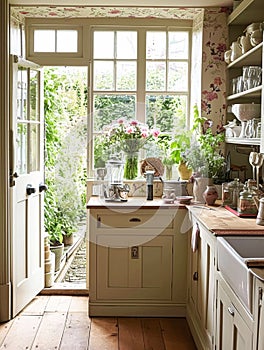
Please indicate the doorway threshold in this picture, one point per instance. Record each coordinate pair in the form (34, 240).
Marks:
(66, 288)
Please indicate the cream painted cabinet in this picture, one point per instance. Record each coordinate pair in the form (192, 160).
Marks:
(259, 314)
(137, 262)
(201, 285)
(234, 324)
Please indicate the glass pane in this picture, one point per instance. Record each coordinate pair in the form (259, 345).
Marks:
(156, 45)
(22, 83)
(44, 40)
(178, 76)
(155, 76)
(33, 147)
(67, 41)
(103, 44)
(103, 75)
(21, 148)
(126, 75)
(168, 113)
(34, 95)
(126, 46)
(178, 45)
(108, 108)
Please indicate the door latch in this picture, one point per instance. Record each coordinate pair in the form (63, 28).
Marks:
(30, 189)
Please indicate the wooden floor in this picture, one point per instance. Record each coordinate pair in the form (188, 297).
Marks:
(62, 322)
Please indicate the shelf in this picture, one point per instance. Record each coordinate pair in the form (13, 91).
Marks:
(251, 57)
(254, 92)
(241, 141)
(245, 10)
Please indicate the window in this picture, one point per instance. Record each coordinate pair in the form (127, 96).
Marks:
(141, 74)
(55, 40)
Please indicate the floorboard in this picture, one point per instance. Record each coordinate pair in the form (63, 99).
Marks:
(61, 322)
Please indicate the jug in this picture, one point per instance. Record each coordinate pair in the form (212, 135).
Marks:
(245, 43)
(260, 216)
(236, 50)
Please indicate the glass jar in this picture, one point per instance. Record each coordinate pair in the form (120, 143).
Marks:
(246, 203)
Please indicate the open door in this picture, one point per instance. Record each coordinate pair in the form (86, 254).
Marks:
(26, 183)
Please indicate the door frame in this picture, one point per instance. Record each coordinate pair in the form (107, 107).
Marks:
(5, 281)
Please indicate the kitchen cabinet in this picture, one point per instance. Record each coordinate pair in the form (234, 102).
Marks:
(247, 12)
(234, 326)
(137, 262)
(259, 313)
(201, 285)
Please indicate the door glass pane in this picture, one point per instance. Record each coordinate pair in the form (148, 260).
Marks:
(103, 75)
(166, 112)
(103, 44)
(34, 95)
(22, 84)
(126, 46)
(156, 76)
(178, 45)
(108, 108)
(178, 76)
(21, 148)
(156, 45)
(126, 75)
(33, 147)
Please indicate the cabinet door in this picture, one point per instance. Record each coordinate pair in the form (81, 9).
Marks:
(202, 282)
(259, 315)
(232, 331)
(134, 272)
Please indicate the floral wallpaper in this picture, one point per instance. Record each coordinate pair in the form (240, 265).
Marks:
(215, 35)
(98, 11)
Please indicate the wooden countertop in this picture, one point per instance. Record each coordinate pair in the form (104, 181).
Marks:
(96, 202)
(222, 222)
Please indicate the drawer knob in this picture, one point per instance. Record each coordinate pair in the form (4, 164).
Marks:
(195, 276)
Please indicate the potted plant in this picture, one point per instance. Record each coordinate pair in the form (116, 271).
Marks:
(204, 155)
(173, 152)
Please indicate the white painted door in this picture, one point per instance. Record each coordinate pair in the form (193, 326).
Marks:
(26, 183)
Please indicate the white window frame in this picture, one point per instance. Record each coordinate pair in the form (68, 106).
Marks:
(140, 91)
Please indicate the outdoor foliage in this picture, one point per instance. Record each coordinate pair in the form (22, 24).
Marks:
(65, 151)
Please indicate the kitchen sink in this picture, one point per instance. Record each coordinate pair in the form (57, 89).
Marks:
(235, 257)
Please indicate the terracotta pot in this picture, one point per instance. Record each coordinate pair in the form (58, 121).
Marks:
(68, 240)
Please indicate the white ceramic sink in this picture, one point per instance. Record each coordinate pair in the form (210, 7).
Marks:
(235, 256)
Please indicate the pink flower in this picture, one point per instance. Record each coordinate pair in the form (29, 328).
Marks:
(120, 121)
(129, 130)
(155, 132)
(144, 134)
(134, 122)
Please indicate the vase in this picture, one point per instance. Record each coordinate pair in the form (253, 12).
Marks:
(184, 172)
(199, 186)
(210, 195)
(168, 171)
(131, 166)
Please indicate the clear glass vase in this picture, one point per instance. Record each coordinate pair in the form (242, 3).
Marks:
(131, 166)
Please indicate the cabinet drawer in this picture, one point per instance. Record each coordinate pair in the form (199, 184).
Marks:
(135, 219)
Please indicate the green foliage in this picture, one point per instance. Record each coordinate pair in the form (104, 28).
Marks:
(65, 104)
(204, 155)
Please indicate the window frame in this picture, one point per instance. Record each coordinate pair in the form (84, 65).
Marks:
(141, 93)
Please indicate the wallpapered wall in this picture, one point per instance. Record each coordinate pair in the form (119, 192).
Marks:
(214, 44)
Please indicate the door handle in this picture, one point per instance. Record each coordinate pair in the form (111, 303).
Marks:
(30, 189)
(42, 187)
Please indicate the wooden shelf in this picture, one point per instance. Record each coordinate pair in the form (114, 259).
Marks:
(241, 141)
(254, 92)
(245, 10)
(251, 57)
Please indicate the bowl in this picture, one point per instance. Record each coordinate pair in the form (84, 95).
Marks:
(246, 111)
(184, 199)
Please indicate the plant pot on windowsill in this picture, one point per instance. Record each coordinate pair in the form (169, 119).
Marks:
(68, 239)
